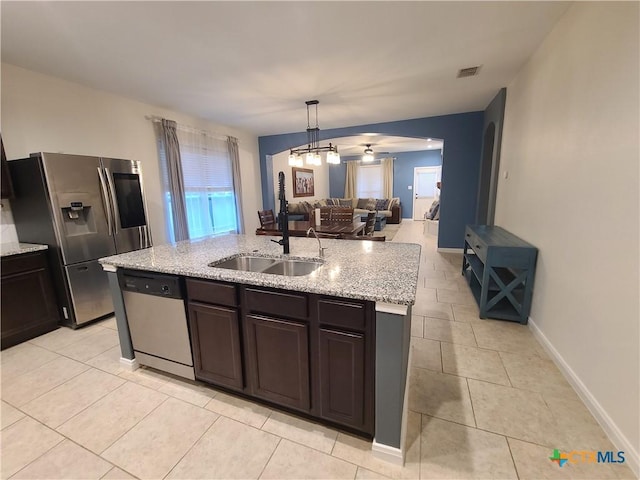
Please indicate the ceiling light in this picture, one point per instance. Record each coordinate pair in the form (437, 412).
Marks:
(313, 149)
(368, 154)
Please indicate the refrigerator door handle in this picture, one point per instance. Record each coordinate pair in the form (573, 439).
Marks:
(107, 204)
(114, 201)
(144, 236)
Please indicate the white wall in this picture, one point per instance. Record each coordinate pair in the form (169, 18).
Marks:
(320, 179)
(570, 146)
(44, 113)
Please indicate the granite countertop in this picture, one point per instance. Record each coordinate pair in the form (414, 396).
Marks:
(13, 248)
(376, 271)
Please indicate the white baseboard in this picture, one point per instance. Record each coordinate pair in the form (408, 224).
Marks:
(619, 440)
(451, 250)
(130, 365)
(387, 453)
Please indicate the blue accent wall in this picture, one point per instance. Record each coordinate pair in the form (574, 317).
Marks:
(490, 165)
(403, 174)
(462, 135)
(337, 177)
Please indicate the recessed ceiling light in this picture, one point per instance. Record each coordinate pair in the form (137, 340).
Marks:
(370, 134)
(428, 139)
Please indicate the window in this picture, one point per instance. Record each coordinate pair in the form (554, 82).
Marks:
(369, 181)
(208, 185)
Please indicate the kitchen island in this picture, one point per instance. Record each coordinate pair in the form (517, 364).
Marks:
(332, 344)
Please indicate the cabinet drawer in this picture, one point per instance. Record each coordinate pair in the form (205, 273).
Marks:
(478, 246)
(212, 292)
(23, 263)
(338, 313)
(510, 258)
(276, 303)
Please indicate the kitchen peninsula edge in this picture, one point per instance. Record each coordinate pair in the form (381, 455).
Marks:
(385, 274)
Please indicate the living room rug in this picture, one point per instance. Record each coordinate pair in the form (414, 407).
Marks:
(388, 231)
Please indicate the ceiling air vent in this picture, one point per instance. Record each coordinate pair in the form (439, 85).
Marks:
(468, 72)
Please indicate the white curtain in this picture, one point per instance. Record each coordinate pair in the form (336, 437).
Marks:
(350, 183)
(387, 177)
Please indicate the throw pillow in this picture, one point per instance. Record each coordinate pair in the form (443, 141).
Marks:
(345, 202)
(371, 204)
(362, 203)
(306, 207)
(382, 204)
(433, 210)
(295, 208)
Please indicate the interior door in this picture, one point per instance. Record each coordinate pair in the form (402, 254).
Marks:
(424, 189)
(124, 179)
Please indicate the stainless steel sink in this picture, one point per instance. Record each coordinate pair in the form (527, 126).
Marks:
(273, 266)
(293, 268)
(245, 263)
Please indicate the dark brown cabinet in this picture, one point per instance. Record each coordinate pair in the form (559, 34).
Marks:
(346, 362)
(214, 322)
(29, 306)
(215, 338)
(278, 360)
(342, 377)
(308, 353)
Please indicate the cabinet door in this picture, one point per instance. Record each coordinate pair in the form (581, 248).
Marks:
(342, 377)
(28, 303)
(278, 360)
(215, 339)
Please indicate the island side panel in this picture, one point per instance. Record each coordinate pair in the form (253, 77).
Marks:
(127, 358)
(393, 335)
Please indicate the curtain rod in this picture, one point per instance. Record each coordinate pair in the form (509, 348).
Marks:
(220, 136)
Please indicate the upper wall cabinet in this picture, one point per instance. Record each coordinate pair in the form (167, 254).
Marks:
(5, 178)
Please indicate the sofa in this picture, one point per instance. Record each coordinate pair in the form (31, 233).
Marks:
(390, 208)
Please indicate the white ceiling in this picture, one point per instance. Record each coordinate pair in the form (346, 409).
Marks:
(381, 144)
(251, 65)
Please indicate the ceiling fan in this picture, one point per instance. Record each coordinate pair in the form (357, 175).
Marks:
(368, 154)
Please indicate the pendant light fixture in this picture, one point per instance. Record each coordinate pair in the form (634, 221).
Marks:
(311, 152)
(368, 154)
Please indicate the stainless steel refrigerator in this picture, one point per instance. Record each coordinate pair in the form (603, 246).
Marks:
(84, 208)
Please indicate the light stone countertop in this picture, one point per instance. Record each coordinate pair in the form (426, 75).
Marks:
(376, 271)
(14, 248)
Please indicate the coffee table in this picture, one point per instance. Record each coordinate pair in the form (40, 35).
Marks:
(381, 221)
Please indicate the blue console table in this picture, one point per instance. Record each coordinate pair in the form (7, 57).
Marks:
(500, 269)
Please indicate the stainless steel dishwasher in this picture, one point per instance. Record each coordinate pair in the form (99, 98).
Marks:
(157, 321)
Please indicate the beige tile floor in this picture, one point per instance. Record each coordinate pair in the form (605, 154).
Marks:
(485, 402)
